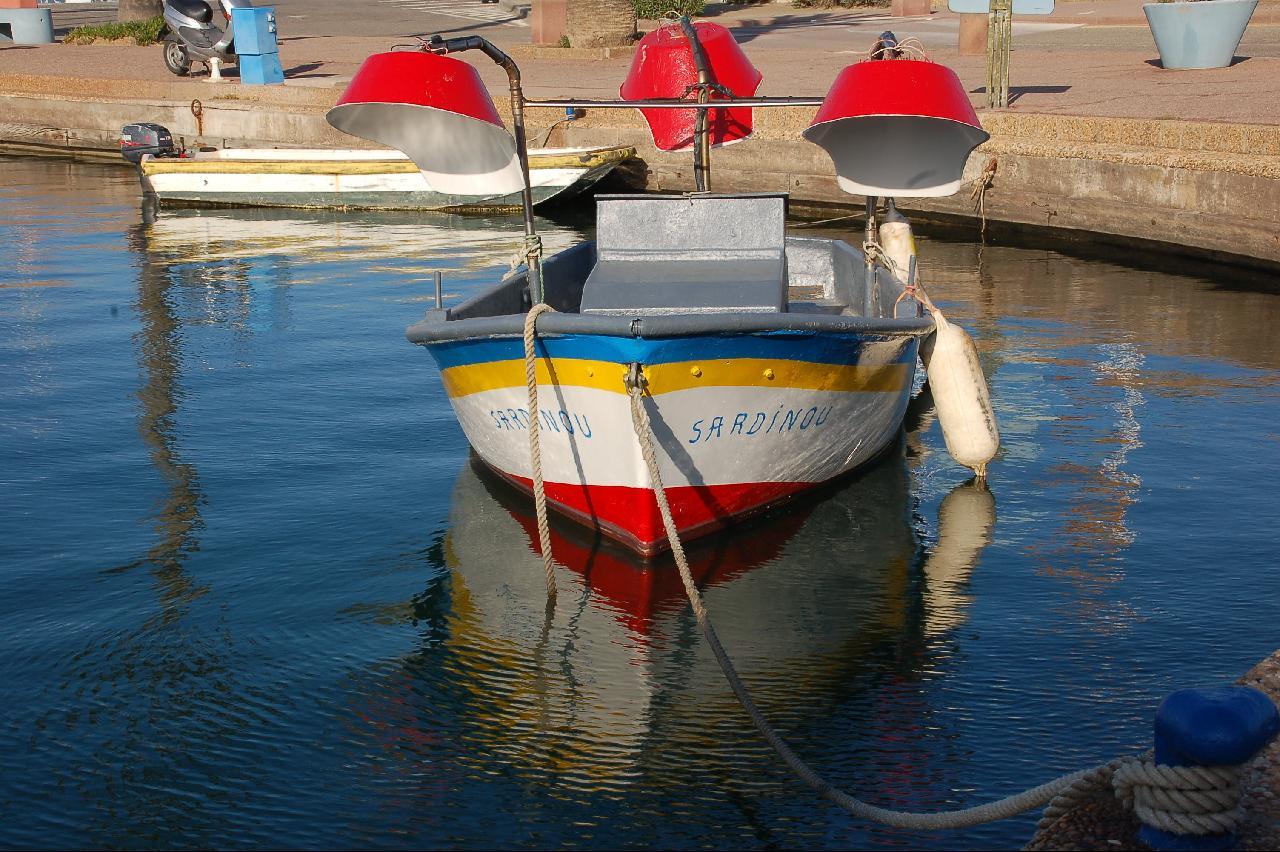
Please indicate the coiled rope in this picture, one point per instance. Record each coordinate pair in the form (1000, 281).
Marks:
(1192, 800)
(1181, 799)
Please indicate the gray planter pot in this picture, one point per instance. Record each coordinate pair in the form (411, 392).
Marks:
(1202, 34)
(26, 26)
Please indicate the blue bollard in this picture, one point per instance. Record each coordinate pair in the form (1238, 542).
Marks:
(1222, 726)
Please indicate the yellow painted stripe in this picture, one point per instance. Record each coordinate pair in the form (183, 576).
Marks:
(772, 372)
(474, 378)
(278, 167)
(167, 166)
(666, 378)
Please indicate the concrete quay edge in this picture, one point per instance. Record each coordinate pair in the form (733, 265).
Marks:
(1188, 188)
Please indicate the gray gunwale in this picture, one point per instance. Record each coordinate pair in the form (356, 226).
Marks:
(491, 313)
(437, 329)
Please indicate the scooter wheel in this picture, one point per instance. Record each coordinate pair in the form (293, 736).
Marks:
(175, 56)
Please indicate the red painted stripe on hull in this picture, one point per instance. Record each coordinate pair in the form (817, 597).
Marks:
(631, 515)
(639, 589)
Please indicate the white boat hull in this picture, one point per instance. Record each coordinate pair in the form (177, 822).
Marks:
(740, 436)
(353, 179)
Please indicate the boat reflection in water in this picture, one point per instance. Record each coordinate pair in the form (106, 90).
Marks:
(238, 267)
(615, 687)
(471, 242)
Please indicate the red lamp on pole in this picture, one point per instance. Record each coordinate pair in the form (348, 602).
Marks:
(436, 110)
(897, 127)
(666, 65)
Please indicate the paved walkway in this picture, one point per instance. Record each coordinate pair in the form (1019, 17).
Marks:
(1090, 57)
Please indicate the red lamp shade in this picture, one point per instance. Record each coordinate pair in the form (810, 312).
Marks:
(438, 112)
(897, 127)
(663, 67)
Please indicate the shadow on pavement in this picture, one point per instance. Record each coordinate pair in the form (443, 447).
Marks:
(749, 29)
(1235, 60)
(1016, 92)
(301, 70)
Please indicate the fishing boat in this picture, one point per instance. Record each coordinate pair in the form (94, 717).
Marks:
(766, 363)
(773, 371)
(354, 179)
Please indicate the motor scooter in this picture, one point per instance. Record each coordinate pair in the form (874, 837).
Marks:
(191, 34)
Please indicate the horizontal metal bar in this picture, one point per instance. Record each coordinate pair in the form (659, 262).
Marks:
(677, 103)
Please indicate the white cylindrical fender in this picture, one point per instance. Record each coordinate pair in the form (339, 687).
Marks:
(960, 394)
(898, 244)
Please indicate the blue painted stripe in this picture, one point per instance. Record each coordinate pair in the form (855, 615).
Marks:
(814, 347)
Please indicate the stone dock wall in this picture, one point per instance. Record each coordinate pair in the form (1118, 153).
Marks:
(1188, 188)
(1175, 188)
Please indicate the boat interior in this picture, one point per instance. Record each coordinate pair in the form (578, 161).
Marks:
(704, 253)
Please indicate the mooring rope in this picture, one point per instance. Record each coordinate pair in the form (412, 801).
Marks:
(981, 184)
(535, 448)
(1083, 788)
(911, 287)
(1192, 798)
(1182, 800)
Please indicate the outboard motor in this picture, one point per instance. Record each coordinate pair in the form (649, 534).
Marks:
(137, 140)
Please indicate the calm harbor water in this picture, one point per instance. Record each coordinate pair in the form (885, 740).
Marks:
(253, 592)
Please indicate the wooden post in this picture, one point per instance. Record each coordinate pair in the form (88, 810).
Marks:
(999, 38)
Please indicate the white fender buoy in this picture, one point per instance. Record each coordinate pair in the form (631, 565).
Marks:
(959, 388)
(960, 395)
(898, 243)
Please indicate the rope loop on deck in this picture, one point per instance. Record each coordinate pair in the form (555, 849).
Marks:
(1189, 800)
(533, 251)
(535, 447)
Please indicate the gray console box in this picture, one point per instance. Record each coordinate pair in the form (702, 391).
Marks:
(702, 253)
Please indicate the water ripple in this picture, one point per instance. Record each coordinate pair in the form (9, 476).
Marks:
(255, 592)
